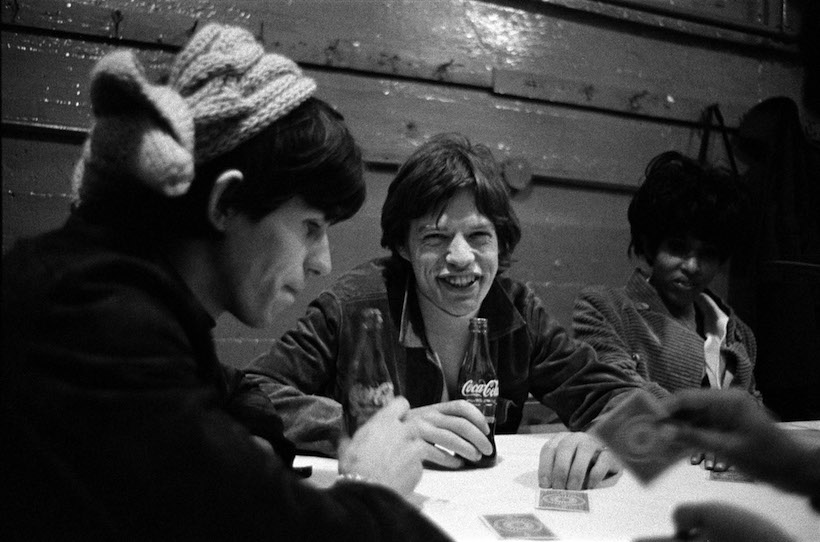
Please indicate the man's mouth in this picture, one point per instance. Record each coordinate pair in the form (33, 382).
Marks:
(460, 281)
(684, 284)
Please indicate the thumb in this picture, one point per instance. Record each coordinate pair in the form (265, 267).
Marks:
(395, 409)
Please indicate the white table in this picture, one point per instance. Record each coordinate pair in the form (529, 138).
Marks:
(455, 500)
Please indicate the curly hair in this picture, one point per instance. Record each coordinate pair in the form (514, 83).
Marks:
(681, 197)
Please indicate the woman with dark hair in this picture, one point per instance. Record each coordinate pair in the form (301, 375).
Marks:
(210, 194)
(665, 328)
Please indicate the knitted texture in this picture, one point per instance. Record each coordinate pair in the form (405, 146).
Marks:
(233, 88)
(223, 90)
(141, 132)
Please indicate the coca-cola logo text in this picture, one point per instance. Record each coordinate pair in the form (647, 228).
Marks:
(483, 389)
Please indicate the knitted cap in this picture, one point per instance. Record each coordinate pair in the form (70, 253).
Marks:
(233, 88)
(141, 132)
(223, 90)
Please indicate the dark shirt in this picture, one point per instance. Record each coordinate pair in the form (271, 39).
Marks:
(119, 423)
(303, 373)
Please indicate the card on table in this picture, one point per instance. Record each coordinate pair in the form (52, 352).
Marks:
(563, 499)
(731, 475)
(526, 526)
(632, 431)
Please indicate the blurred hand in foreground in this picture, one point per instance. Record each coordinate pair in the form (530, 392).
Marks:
(731, 423)
(721, 522)
(386, 450)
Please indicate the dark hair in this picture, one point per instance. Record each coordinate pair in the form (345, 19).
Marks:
(429, 179)
(681, 197)
(309, 153)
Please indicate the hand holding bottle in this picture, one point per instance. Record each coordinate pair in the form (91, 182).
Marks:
(386, 450)
(455, 431)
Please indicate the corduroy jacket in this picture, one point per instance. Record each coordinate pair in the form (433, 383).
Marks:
(631, 328)
(303, 373)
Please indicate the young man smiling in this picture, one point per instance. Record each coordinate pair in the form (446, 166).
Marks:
(449, 224)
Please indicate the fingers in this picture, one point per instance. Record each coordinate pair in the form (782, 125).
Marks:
(716, 409)
(720, 464)
(441, 457)
(576, 461)
(545, 463)
(396, 409)
(605, 471)
(453, 426)
(572, 460)
(696, 458)
(464, 410)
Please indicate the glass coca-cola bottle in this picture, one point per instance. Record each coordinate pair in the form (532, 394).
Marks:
(478, 383)
(369, 386)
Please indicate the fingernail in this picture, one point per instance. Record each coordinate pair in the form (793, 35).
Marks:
(710, 464)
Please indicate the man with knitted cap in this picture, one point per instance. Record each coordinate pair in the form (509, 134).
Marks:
(212, 193)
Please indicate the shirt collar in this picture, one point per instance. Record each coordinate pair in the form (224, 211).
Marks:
(714, 319)
(498, 308)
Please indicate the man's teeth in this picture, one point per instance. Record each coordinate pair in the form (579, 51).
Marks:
(460, 281)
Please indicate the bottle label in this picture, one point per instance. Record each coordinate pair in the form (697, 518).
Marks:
(480, 389)
(364, 401)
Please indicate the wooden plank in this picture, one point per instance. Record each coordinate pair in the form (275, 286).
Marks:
(752, 16)
(462, 43)
(389, 117)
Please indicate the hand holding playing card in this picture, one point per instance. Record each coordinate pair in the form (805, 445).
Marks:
(634, 432)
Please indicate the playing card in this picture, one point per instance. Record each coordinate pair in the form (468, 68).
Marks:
(563, 499)
(731, 475)
(526, 526)
(633, 433)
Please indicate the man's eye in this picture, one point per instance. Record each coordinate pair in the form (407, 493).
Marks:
(314, 229)
(433, 237)
(481, 236)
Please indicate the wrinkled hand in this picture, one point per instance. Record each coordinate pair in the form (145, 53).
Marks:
(721, 522)
(577, 461)
(386, 450)
(711, 461)
(457, 426)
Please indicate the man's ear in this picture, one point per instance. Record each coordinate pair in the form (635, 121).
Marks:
(218, 204)
(403, 252)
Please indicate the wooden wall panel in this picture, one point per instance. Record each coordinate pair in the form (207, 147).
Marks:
(389, 117)
(603, 62)
(580, 92)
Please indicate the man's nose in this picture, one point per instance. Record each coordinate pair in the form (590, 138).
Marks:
(460, 253)
(692, 264)
(318, 262)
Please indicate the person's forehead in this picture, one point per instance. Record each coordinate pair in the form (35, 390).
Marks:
(461, 209)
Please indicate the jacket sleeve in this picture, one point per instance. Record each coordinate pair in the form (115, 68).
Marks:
(565, 374)
(597, 322)
(299, 375)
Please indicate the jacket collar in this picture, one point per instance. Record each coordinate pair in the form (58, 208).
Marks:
(645, 297)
